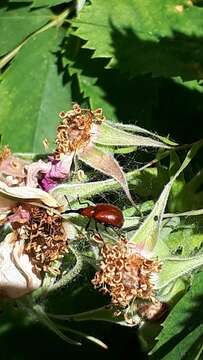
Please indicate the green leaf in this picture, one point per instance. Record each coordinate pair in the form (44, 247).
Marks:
(191, 85)
(178, 184)
(17, 23)
(87, 70)
(140, 130)
(38, 3)
(183, 327)
(94, 93)
(110, 135)
(49, 3)
(187, 238)
(33, 93)
(149, 232)
(177, 267)
(163, 41)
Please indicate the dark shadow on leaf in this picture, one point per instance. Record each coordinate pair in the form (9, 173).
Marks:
(158, 104)
(14, 5)
(4, 3)
(23, 339)
(179, 55)
(193, 318)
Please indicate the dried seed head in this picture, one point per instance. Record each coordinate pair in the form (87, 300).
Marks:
(45, 238)
(74, 131)
(125, 275)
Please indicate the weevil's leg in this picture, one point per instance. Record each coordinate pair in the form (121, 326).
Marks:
(87, 225)
(107, 227)
(82, 203)
(69, 204)
(96, 227)
(114, 229)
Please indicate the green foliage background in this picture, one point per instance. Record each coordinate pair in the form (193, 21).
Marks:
(140, 60)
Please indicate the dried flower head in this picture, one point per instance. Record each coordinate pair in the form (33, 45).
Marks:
(74, 131)
(44, 237)
(125, 275)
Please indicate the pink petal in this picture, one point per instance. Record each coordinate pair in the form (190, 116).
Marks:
(60, 170)
(34, 170)
(20, 216)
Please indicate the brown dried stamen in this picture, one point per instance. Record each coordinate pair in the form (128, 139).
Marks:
(45, 239)
(74, 131)
(125, 276)
(5, 153)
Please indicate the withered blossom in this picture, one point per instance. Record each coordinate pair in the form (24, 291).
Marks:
(43, 234)
(36, 241)
(78, 135)
(125, 275)
(48, 175)
(77, 129)
(75, 133)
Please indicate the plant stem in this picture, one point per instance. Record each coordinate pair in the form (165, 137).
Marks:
(49, 286)
(71, 274)
(56, 22)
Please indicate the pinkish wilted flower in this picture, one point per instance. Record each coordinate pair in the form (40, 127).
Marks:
(48, 175)
(78, 134)
(36, 241)
(59, 172)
